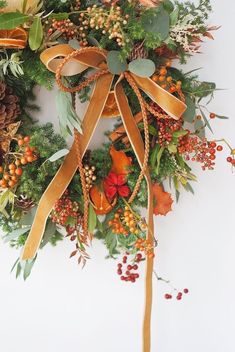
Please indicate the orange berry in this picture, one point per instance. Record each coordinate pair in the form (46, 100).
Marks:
(163, 71)
(2, 182)
(14, 178)
(151, 255)
(155, 78)
(20, 142)
(6, 177)
(17, 162)
(164, 86)
(11, 183)
(168, 63)
(19, 171)
(30, 159)
(12, 167)
(26, 139)
(12, 172)
(1, 169)
(169, 79)
(162, 78)
(172, 89)
(23, 161)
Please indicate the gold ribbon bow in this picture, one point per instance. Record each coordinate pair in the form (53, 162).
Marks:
(66, 61)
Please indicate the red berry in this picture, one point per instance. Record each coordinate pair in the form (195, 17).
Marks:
(168, 296)
(212, 144)
(229, 159)
(119, 272)
(212, 115)
(185, 290)
(219, 148)
(135, 267)
(129, 267)
(123, 278)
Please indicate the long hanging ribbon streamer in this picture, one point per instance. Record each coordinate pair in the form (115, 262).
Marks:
(73, 62)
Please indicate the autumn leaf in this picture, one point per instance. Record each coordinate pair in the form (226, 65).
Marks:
(162, 200)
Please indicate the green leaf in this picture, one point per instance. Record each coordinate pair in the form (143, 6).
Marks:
(15, 234)
(18, 270)
(92, 41)
(68, 117)
(27, 219)
(111, 242)
(168, 5)
(59, 16)
(74, 43)
(58, 155)
(35, 34)
(11, 20)
(28, 267)
(190, 111)
(153, 156)
(180, 133)
(172, 148)
(115, 64)
(48, 233)
(92, 219)
(207, 123)
(142, 67)
(200, 128)
(157, 22)
(174, 16)
(159, 155)
(222, 117)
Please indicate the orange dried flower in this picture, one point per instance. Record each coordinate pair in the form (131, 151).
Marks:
(162, 200)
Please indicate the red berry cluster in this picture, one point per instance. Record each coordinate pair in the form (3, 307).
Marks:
(166, 128)
(231, 159)
(66, 27)
(202, 151)
(178, 296)
(126, 268)
(64, 210)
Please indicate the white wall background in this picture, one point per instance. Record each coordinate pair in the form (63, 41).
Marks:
(61, 307)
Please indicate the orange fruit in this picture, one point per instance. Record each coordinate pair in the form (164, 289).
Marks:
(111, 109)
(13, 38)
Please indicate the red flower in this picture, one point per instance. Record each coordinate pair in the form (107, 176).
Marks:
(116, 184)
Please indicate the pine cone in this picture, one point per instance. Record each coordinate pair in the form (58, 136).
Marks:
(166, 52)
(138, 52)
(24, 203)
(9, 105)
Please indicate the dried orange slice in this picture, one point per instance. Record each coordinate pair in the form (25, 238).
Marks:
(13, 38)
(111, 108)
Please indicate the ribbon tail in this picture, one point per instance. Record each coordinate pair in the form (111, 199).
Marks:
(67, 170)
(168, 102)
(136, 141)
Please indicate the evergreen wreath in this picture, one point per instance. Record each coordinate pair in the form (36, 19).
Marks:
(144, 37)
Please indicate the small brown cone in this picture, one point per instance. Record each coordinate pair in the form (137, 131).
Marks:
(9, 106)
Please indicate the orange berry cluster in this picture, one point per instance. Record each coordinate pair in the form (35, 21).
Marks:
(145, 246)
(165, 81)
(124, 223)
(11, 172)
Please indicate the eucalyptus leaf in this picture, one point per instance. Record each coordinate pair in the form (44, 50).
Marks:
(92, 41)
(59, 16)
(200, 128)
(48, 233)
(15, 234)
(190, 112)
(11, 20)
(28, 267)
(27, 219)
(68, 117)
(207, 123)
(35, 34)
(142, 67)
(58, 155)
(157, 22)
(74, 43)
(115, 64)
(92, 219)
